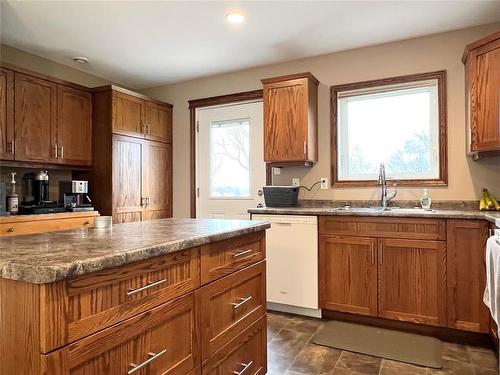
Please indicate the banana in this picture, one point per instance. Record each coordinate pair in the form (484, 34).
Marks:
(494, 200)
(482, 203)
(489, 202)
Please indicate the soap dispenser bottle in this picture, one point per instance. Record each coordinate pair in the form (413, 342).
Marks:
(13, 198)
(426, 200)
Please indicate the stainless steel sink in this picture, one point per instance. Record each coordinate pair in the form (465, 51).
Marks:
(376, 209)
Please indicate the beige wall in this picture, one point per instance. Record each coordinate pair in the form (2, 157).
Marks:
(436, 52)
(39, 64)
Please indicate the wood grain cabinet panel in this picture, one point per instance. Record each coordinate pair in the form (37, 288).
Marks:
(6, 114)
(348, 274)
(163, 339)
(128, 115)
(290, 118)
(35, 119)
(466, 275)
(224, 257)
(128, 178)
(482, 59)
(229, 305)
(245, 354)
(74, 126)
(412, 281)
(389, 227)
(158, 180)
(158, 120)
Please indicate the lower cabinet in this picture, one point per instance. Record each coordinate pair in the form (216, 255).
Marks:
(245, 354)
(163, 340)
(348, 274)
(412, 280)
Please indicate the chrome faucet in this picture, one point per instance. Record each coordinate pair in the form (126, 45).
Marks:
(386, 197)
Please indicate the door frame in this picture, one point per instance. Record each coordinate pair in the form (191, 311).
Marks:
(211, 102)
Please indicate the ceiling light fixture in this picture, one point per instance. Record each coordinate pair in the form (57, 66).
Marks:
(235, 17)
(80, 59)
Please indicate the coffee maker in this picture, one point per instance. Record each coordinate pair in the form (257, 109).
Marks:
(36, 195)
(77, 200)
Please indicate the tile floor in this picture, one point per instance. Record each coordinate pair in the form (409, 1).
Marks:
(290, 352)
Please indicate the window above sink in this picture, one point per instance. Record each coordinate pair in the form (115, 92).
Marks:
(398, 121)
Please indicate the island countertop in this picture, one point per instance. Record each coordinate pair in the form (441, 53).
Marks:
(48, 257)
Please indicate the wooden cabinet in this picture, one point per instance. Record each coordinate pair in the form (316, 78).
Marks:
(140, 187)
(6, 114)
(244, 354)
(158, 120)
(482, 59)
(466, 276)
(74, 126)
(35, 119)
(412, 280)
(291, 119)
(348, 274)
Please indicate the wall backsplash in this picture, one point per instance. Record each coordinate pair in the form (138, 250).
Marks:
(55, 175)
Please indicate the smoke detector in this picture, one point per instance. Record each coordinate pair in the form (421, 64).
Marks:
(80, 59)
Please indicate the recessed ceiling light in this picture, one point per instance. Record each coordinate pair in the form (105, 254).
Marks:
(235, 17)
(81, 59)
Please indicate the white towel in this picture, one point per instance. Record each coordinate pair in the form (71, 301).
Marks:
(492, 291)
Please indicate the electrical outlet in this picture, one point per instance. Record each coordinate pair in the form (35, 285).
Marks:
(324, 183)
(276, 171)
(295, 181)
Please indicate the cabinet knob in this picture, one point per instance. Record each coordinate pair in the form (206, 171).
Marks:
(10, 230)
(86, 222)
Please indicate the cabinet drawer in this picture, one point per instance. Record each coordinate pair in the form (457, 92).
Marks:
(229, 305)
(160, 341)
(87, 304)
(245, 354)
(30, 227)
(389, 227)
(222, 258)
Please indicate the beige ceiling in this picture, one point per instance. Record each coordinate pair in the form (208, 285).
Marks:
(147, 43)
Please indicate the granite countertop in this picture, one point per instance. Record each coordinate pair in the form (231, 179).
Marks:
(48, 257)
(491, 216)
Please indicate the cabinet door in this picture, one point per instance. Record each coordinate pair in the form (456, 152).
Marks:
(348, 274)
(466, 275)
(74, 126)
(162, 340)
(35, 119)
(128, 115)
(158, 185)
(412, 280)
(285, 121)
(485, 97)
(158, 120)
(6, 114)
(128, 175)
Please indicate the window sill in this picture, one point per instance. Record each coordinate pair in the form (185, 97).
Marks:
(402, 183)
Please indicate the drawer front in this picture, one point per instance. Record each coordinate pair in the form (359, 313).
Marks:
(229, 305)
(388, 227)
(160, 341)
(222, 258)
(246, 354)
(30, 227)
(96, 301)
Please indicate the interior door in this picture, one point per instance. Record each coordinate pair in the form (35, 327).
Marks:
(348, 274)
(6, 114)
(230, 165)
(128, 175)
(412, 280)
(158, 188)
(35, 118)
(128, 116)
(74, 126)
(158, 119)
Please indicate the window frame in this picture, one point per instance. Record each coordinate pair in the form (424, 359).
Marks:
(440, 77)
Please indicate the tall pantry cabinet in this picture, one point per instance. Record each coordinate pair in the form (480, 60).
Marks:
(132, 143)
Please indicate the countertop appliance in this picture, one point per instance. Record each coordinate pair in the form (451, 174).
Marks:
(292, 263)
(36, 195)
(77, 199)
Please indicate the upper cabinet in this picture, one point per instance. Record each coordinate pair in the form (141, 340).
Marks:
(482, 59)
(137, 116)
(44, 120)
(291, 119)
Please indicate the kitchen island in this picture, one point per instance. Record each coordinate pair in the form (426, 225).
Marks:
(170, 296)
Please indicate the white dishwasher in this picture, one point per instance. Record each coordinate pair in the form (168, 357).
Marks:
(292, 263)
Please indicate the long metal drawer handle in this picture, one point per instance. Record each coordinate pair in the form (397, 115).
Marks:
(243, 301)
(237, 254)
(133, 291)
(146, 362)
(246, 366)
